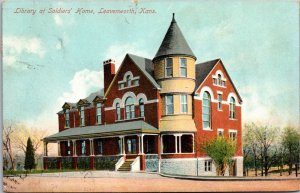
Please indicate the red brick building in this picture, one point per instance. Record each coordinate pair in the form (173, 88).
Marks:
(151, 115)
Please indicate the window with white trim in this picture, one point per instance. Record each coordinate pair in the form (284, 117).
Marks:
(206, 111)
(208, 165)
(183, 103)
(99, 147)
(183, 67)
(232, 135)
(169, 67)
(118, 111)
(232, 108)
(142, 107)
(67, 118)
(219, 101)
(169, 104)
(129, 108)
(128, 80)
(136, 82)
(81, 115)
(219, 79)
(220, 132)
(98, 113)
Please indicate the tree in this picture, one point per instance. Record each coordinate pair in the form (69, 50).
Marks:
(8, 150)
(221, 151)
(29, 156)
(290, 142)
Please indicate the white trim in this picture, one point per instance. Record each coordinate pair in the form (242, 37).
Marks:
(220, 129)
(151, 101)
(232, 94)
(141, 96)
(117, 100)
(209, 90)
(129, 94)
(219, 92)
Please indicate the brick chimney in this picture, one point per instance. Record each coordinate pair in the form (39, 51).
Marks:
(109, 72)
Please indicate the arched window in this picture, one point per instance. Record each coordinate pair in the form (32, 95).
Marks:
(142, 108)
(219, 79)
(129, 108)
(232, 108)
(206, 110)
(118, 112)
(128, 81)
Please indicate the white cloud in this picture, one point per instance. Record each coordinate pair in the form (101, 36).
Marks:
(118, 52)
(58, 20)
(14, 47)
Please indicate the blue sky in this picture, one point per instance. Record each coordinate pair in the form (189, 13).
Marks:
(52, 58)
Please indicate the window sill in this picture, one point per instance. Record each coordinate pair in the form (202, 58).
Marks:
(233, 119)
(176, 153)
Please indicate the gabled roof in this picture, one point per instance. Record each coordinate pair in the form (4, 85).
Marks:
(103, 130)
(174, 43)
(146, 67)
(144, 64)
(203, 69)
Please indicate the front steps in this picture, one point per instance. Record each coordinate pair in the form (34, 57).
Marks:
(126, 165)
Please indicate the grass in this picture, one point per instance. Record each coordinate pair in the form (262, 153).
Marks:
(14, 173)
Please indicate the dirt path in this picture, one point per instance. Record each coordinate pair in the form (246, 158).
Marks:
(159, 184)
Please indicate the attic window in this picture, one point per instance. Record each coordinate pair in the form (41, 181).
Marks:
(128, 81)
(135, 82)
(218, 79)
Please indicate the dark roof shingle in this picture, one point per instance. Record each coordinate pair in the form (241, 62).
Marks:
(203, 69)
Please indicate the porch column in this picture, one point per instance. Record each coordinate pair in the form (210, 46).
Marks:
(179, 143)
(45, 148)
(58, 146)
(142, 143)
(91, 146)
(123, 145)
(74, 148)
(140, 146)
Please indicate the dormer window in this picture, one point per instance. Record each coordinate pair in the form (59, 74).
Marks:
(98, 113)
(81, 109)
(128, 81)
(218, 79)
(169, 67)
(67, 118)
(183, 70)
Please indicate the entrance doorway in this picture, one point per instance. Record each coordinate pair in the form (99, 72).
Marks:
(131, 146)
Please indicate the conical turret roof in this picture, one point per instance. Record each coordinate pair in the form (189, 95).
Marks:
(174, 43)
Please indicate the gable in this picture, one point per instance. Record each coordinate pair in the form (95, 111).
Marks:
(142, 66)
(214, 68)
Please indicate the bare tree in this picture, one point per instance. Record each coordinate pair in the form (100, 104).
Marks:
(8, 150)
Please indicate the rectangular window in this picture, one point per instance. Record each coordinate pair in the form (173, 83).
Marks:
(169, 105)
(67, 119)
(223, 83)
(214, 81)
(232, 135)
(100, 148)
(183, 71)
(136, 82)
(99, 120)
(169, 67)
(220, 132)
(219, 101)
(208, 165)
(183, 103)
(81, 116)
(121, 85)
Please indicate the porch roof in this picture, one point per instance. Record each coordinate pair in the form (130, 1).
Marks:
(131, 127)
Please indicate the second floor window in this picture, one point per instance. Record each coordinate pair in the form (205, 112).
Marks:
(183, 71)
(81, 116)
(98, 112)
(142, 108)
(183, 103)
(129, 108)
(169, 105)
(206, 110)
(67, 118)
(169, 67)
(232, 135)
(232, 108)
(128, 81)
(118, 112)
(219, 101)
